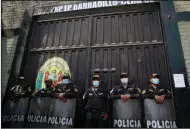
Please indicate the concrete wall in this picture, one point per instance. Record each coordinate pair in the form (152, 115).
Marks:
(184, 30)
(8, 50)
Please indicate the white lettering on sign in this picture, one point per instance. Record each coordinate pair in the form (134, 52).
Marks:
(87, 5)
(50, 120)
(160, 124)
(127, 123)
(13, 118)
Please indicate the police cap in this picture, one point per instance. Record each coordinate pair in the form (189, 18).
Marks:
(96, 77)
(66, 76)
(124, 75)
(154, 75)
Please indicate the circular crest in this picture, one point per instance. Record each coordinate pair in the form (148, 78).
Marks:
(53, 69)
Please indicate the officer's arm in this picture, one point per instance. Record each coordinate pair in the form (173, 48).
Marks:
(149, 93)
(114, 95)
(136, 94)
(85, 96)
(167, 94)
(72, 94)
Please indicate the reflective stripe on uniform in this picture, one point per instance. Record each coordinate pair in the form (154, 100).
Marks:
(111, 91)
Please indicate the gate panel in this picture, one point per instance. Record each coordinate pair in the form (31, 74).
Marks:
(61, 33)
(138, 61)
(124, 28)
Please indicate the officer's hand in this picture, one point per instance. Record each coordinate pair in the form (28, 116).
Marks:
(123, 98)
(105, 116)
(161, 99)
(127, 96)
(60, 95)
(157, 98)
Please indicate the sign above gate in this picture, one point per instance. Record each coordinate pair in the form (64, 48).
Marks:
(83, 5)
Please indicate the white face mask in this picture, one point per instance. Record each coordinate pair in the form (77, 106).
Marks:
(124, 80)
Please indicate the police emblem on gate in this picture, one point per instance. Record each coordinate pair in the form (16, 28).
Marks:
(52, 69)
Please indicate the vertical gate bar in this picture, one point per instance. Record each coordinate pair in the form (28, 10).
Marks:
(76, 65)
(144, 75)
(47, 38)
(152, 59)
(50, 36)
(53, 35)
(160, 35)
(124, 32)
(41, 36)
(132, 27)
(59, 38)
(135, 75)
(148, 34)
(72, 32)
(109, 30)
(109, 66)
(102, 40)
(140, 27)
(80, 28)
(57, 34)
(89, 51)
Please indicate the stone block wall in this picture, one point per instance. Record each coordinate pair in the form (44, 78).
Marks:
(184, 30)
(8, 46)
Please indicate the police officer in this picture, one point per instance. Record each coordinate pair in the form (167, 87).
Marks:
(96, 104)
(66, 89)
(21, 89)
(124, 91)
(154, 91)
(48, 91)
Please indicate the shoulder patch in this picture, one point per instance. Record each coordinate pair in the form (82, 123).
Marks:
(144, 91)
(111, 91)
(83, 97)
(76, 90)
(90, 94)
(139, 90)
(150, 90)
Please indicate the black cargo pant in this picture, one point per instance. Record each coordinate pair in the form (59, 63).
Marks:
(94, 120)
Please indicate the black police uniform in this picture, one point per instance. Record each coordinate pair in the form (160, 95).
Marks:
(69, 90)
(20, 90)
(120, 90)
(48, 91)
(152, 91)
(96, 106)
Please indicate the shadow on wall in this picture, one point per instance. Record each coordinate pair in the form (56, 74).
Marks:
(8, 44)
(18, 52)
